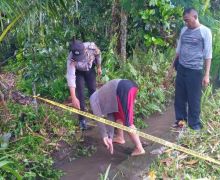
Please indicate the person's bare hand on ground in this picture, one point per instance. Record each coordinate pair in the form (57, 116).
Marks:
(76, 103)
(108, 142)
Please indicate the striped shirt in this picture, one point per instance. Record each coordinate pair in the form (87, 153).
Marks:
(194, 46)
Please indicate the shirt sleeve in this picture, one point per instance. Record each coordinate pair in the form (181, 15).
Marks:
(106, 130)
(97, 52)
(179, 41)
(110, 129)
(207, 36)
(70, 75)
(94, 103)
(98, 56)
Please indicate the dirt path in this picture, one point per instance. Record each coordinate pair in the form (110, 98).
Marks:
(90, 167)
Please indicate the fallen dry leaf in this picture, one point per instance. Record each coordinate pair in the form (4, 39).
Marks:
(165, 176)
(192, 162)
(61, 131)
(167, 161)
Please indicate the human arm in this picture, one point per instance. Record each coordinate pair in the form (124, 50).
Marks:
(98, 61)
(107, 136)
(99, 70)
(178, 50)
(71, 80)
(175, 61)
(75, 100)
(106, 132)
(108, 142)
(207, 35)
(205, 81)
(110, 132)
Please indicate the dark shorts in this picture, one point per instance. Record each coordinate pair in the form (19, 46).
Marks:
(126, 95)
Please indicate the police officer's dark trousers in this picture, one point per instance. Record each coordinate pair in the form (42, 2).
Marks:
(83, 78)
(188, 87)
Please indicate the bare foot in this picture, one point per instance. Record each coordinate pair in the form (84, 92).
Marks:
(138, 152)
(118, 140)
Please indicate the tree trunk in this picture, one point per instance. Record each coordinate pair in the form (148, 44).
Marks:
(115, 28)
(119, 28)
(115, 18)
(123, 34)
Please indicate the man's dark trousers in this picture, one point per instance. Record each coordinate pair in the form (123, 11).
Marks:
(83, 78)
(188, 91)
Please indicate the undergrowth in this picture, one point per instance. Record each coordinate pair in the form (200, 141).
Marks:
(175, 165)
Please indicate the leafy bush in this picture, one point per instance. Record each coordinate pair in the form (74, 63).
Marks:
(161, 19)
(34, 134)
(43, 67)
(148, 70)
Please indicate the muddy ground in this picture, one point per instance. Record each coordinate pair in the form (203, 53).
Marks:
(123, 166)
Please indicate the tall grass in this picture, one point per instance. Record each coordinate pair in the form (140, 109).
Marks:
(176, 165)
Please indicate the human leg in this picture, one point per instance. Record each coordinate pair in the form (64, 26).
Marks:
(126, 92)
(119, 138)
(90, 80)
(180, 102)
(80, 86)
(138, 150)
(194, 88)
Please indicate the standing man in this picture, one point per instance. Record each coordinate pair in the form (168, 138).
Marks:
(81, 62)
(116, 100)
(194, 51)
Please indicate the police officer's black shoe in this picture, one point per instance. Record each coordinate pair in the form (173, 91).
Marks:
(82, 124)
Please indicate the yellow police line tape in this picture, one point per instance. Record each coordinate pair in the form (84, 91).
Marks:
(141, 134)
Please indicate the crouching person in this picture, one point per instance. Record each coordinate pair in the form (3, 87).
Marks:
(115, 100)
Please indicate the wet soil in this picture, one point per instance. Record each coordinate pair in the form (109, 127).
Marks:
(123, 166)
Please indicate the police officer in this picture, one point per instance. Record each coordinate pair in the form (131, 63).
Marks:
(81, 63)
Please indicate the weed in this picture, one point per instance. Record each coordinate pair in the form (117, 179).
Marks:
(34, 137)
(105, 176)
(206, 141)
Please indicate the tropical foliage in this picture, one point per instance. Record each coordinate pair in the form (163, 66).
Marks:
(137, 40)
(33, 137)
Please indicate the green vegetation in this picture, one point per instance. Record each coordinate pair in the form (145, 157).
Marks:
(176, 165)
(148, 70)
(105, 176)
(34, 41)
(35, 135)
